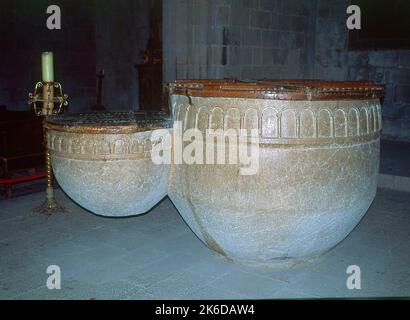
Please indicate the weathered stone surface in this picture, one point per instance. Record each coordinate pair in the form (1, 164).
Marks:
(317, 177)
(109, 173)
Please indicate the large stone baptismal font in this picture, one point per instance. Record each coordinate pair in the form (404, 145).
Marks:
(318, 160)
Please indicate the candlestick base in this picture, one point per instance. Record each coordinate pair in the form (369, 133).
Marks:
(50, 205)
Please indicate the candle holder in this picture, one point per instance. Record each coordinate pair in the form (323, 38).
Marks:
(48, 93)
(48, 98)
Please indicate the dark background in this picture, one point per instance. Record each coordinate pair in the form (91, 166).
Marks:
(201, 39)
(105, 34)
(386, 25)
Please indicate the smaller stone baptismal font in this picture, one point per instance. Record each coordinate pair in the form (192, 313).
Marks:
(103, 160)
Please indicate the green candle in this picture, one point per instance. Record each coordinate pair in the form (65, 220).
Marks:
(47, 67)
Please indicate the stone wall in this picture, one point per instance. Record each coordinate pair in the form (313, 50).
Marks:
(280, 39)
(238, 38)
(392, 67)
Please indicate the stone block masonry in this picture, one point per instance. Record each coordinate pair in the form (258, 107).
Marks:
(246, 38)
(281, 39)
(333, 61)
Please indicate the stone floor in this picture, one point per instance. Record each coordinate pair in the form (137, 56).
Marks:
(156, 256)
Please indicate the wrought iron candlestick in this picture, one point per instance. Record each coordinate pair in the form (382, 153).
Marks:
(49, 94)
(48, 97)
